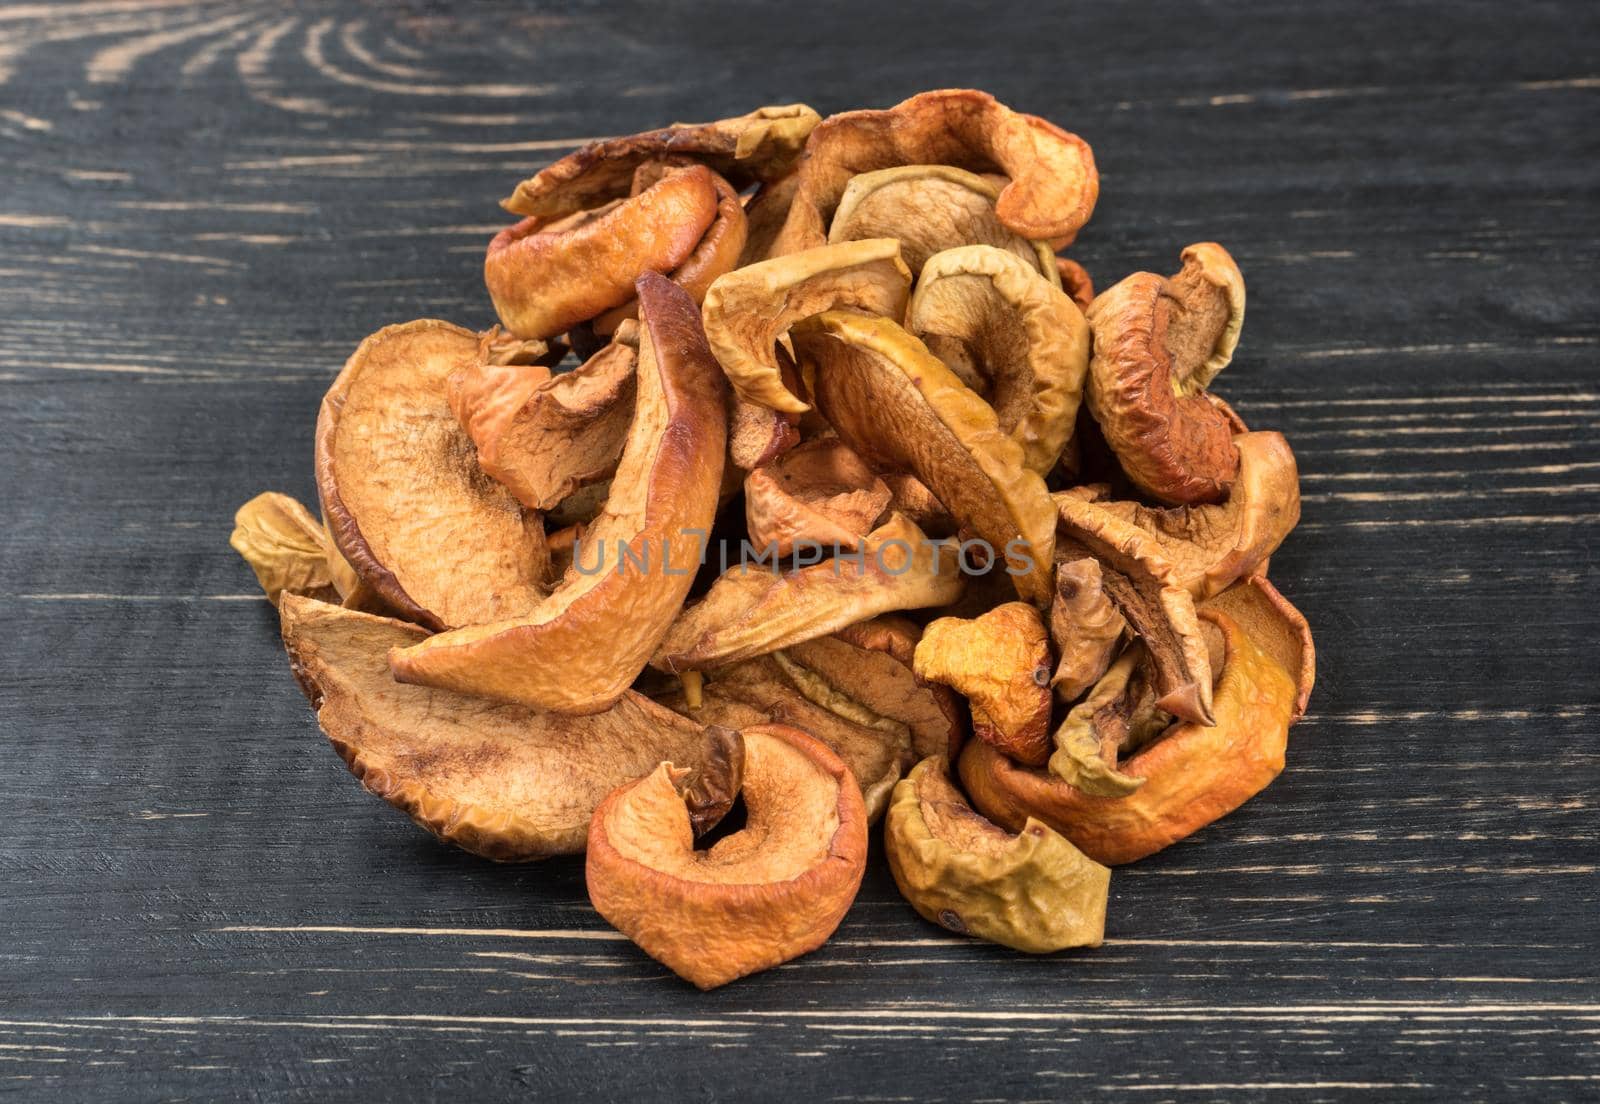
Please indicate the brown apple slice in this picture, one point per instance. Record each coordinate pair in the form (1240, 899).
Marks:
(405, 502)
(502, 781)
(901, 409)
(752, 609)
(577, 651)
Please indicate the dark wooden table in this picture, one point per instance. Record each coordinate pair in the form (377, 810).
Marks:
(203, 207)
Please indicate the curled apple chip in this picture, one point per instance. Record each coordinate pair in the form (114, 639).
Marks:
(544, 437)
(1032, 891)
(1143, 585)
(1076, 282)
(285, 546)
(772, 891)
(1211, 546)
(818, 494)
(1193, 774)
(760, 145)
(753, 609)
(872, 661)
(1052, 184)
(778, 689)
(1001, 663)
(749, 309)
(546, 277)
(1085, 627)
(1277, 628)
(981, 309)
(931, 208)
(902, 410)
(502, 781)
(715, 253)
(854, 690)
(577, 651)
(1158, 343)
(405, 502)
(1096, 729)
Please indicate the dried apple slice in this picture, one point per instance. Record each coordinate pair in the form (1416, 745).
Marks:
(405, 502)
(1085, 627)
(1158, 343)
(546, 277)
(855, 691)
(545, 438)
(819, 494)
(752, 609)
(778, 689)
(1001, 663)
(770, 892)
(749, 309)
(982, 307)
(1144, 587)
(931, 208)
(760, 145)
(285, 546)
(901, 409)
(1211, 546)
(872, 661)
(577, 651)
(1192, 774)
(1076, 282)
(1032, 891)
(1277, 628)
(1089, 739)
(1052, 184)
(502, 781)
(717, 252)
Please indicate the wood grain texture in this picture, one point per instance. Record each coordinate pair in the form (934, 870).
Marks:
(203, 207)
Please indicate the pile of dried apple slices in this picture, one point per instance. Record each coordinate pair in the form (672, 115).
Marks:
(1001, 556)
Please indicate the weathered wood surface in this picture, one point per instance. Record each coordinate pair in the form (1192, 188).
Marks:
(204, 206)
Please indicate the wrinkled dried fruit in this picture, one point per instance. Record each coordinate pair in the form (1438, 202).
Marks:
(931, 208)
(717, 252)
(710, 790)
(546, 277)
(1158, 343)
(1144, 587)
(752, 610)
(502, 781)
(900, 409)
(1085, 627)
(763, 895)
(758, 146)
(818, 494)
(991, 317)
(1075, 282)
(1032, 891)
(406, 504)
(1193, 774)
(872, 661)
(1088, 741)
(285, 546)
(1275, 627)
(1211, 546)
(778, 690)
(1053, 183)
(577, 651)
(543, 438)
(1001, 663)
(748, 310)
